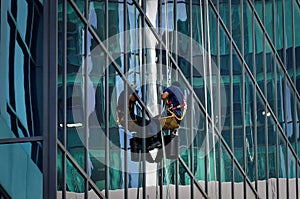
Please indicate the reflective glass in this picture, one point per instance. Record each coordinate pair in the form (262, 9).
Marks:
(282, 157)
(280, 95)
(297, 128)
(199, 140)
(272, 128)
(238, 86)
(75, 181)
(237, 22)
(291, 165)
(97, 19)
(248, 36)
(261, 138)
(290, 111)
(270, 80)
(20, 176)
(249, 122)
(279, 40)
(297, 43)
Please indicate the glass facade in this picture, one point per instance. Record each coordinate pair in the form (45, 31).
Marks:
(67, 62)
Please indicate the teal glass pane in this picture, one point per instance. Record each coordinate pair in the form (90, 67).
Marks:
(270, 80)
(269, 16)
(297, 128)
(224, 12)
(279, 39)
(228, 171)
(211, 156)
(249, 125)
(248, 38)
(291, 165)
(282, 149)
(75, 181)
(272, 128)
(288, 11)
(297, 26)
(259, 9)
(213, 32)
(199, 140)
(236, 23)
(280, 94)
(183, 191)
(290, 110)
(19, 173)
(197, 18)
(261, 138)
(238, 183)
(80, 5)
(60, 172)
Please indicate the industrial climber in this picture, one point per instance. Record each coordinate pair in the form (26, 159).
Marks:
(175, 102)
(150, 126)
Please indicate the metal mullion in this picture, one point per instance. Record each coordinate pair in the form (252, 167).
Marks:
(143, 2)
(21, 140)
(191, 112)
(50, 92)
(79, 169)
(219, 101)
(65, 71)
(243, 97)
(106, 88)
(206, 159)
(254, 101)
(231, 99)
(86, 121)
(295, 98)
(126, 177)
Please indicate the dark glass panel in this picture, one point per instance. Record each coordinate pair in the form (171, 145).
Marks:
(279, 39)
(280, 95)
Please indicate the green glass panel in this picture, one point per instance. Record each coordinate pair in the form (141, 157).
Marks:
(236, 23)
(288, 23)
(212, 32)
(248, 38)
(259, 8)
(280, 94)
(199, 140)
(282, 149)
(272, 128)
(249, 125)
(261, 138)
(291, 164)
(269, 16)
(297, 128)
(75, 181)
(270, 80)
(297, 25)
(60, 172)
(224, 12)
(279, 39)
(228, 171)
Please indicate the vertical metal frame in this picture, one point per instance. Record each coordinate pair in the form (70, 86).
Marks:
(50, 92)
